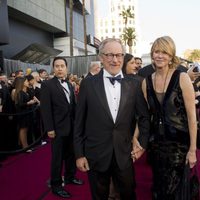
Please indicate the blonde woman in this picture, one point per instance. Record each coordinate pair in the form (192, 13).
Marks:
(171, 99)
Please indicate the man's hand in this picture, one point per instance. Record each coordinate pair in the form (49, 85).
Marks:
(51, 134)
(82, 164)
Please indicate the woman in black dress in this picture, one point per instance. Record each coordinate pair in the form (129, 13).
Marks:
(23, 104)
(171, 99)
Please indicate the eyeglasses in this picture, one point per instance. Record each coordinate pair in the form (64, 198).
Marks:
(110, 56)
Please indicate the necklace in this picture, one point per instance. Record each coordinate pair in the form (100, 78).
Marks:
(165, 80)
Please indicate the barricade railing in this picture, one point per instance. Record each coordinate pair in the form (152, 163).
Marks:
(9, 141)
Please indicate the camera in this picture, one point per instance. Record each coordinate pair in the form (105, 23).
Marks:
(196, 67)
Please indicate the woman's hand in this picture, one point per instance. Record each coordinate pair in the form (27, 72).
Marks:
(191, 158)
(137, 151)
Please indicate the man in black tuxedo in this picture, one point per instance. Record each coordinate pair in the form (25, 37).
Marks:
(6, 105)
(95, 67)
(58, 109)
(108, 105)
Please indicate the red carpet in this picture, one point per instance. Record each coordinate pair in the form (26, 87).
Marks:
(143, 179)
(24, 177)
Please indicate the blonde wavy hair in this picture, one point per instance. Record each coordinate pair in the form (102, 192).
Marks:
(166, 44)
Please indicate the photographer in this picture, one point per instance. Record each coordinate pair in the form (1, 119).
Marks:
(194, 73)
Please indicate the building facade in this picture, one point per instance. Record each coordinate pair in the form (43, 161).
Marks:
(112, 24)
(39, 28)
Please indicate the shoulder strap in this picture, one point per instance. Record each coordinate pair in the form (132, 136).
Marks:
(173, 83)
(151, 94)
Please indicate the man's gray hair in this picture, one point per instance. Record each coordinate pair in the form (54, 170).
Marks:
(94, 63)
(108, 40)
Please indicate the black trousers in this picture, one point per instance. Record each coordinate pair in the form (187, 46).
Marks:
(62, 153)
(124, 182)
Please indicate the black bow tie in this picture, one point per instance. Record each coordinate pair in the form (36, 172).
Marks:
(63, 80)
(116, 78)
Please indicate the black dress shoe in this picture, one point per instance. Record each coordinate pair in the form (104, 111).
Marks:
(74, 181)
(61, 193)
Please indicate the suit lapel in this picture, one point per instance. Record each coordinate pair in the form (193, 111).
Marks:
(100, 92)
(59, 86)
(71, 96)
(124, 97)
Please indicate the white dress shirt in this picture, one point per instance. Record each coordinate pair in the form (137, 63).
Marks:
(113, 93)
(66, 90)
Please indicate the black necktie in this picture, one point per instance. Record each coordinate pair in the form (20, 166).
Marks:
(63, 80)
(116, 78)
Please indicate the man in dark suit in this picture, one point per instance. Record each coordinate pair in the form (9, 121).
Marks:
(95, 67)
(108, 105)
(6, 105)
(57, 108)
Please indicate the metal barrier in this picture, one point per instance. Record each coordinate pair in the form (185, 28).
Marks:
(9, 131)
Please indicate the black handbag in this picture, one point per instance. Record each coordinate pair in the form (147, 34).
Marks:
(184, 189)
(198, 128)
(190, 185)
(194, 183)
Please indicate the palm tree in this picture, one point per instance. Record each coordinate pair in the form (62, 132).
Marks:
(129, 37)
(71, 4)
(195, 55)
(84, 27)
(126, 14)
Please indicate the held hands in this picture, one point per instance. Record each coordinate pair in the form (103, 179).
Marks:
(36, 100)
(191, 158)
(51, 134)
(137, 151)
(33, 101)
(82, 164)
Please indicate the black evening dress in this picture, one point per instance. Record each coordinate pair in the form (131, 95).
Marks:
(24, 111)
(169, 141)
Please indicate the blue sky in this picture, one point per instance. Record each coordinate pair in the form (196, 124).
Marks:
(179, 19)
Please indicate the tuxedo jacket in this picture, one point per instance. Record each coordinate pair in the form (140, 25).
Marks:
(89, 75)
(57, 113)
(6, 101)
(96, 136)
